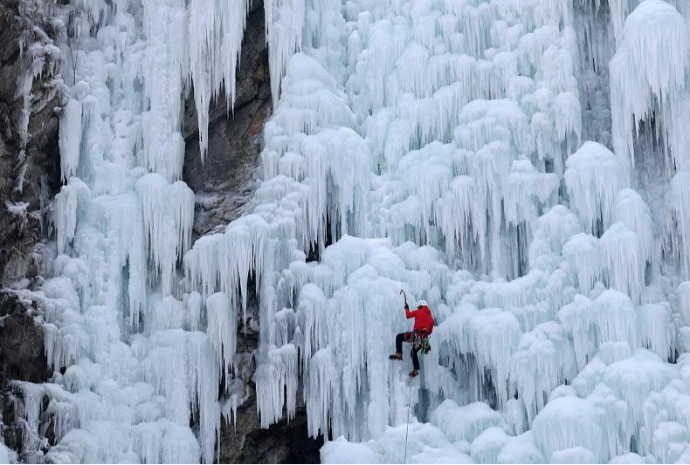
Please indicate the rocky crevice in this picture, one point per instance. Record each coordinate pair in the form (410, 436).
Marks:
(22, 358)
(242, 438)
(224, 179)
(29, 154)
(30, 89)
(223, 183)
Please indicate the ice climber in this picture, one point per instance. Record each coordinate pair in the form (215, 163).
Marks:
(418, 337)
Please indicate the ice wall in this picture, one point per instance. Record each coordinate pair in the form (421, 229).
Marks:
(463, 150)
(520, 165)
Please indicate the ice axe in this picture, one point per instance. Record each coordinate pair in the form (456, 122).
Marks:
(404, 296)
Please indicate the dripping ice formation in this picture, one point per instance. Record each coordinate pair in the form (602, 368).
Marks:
(520, 165)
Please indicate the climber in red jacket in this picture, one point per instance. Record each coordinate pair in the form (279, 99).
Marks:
(418, 337)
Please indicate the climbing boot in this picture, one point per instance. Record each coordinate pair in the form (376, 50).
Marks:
(395, 356)
(414, 373)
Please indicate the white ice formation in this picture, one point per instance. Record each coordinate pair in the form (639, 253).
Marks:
(521, 165)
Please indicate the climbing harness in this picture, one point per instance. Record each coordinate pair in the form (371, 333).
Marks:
(420, 340)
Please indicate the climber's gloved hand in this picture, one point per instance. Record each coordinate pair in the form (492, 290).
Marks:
(407, 307)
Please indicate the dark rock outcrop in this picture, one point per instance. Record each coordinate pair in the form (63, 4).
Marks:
(243, 440)
(29, 156)
(29, 178)
(21, 342)
(22, 357)
(283, 442)
(223, 181)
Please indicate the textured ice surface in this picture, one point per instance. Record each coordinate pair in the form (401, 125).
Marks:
(459, 149)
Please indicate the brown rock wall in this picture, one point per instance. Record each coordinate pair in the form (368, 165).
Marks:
(223, 181)
(29, 158)
(29, 178)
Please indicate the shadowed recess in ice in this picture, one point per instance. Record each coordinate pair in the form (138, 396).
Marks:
(440, 146)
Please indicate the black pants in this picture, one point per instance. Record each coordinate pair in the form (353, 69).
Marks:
(407, 337)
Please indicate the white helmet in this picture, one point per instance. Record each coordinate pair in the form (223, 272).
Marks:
(422, 303)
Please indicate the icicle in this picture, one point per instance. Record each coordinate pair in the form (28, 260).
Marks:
(193, 304)
(276, 384)
(67, 208)
(215, 32)
(631, 210)
(680, 206)
(319, 399)
(70, 138)
(594, 177)
(614, 315)
(683, 293)
(576, 320)
(647, 78)
(203, 375)
(222, 327)
(494, 335)
(167, 313)
(619, 11)
(552, 233)
(163, 66)
(454, 213)
(486, 447)
(657, 332)
(622, 262)
(284, 22)
(569, 422)
(466, 422)
(582, 254)
(635, 378)
(168, 212)
(528, 191)
(544, 359)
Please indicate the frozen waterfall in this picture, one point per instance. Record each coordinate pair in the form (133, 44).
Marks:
(522, 165)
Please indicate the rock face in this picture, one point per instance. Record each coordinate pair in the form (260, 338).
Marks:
(22, 358)
(29, 156)
(222, 183)
(29, 178)
(244, 441)
(282, 443)
(224, 179)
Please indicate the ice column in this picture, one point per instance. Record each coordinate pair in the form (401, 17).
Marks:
(648, 82)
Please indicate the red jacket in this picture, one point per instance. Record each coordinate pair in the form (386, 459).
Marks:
(422, 318)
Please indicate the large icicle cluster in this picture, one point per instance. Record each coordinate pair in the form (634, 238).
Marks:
(649, 73)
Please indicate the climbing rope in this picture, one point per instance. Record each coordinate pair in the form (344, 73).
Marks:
(407, 428)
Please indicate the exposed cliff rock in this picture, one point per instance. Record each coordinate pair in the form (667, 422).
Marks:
(29, 158)
(244, 441)
(222, 184)
(284, 442)
(29, 178)
(224, 179)
(22, 358)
